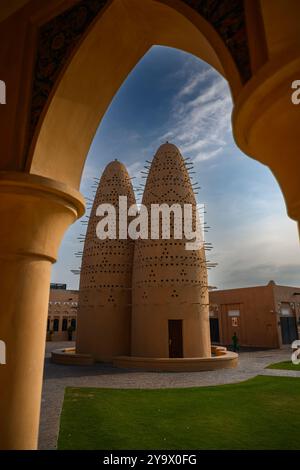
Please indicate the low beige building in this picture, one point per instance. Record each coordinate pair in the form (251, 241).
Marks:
(62, 313)
(261, 316)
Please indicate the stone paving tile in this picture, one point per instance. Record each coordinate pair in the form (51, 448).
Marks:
(58, 377)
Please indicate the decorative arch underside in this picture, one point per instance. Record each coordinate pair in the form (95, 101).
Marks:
(58, 38)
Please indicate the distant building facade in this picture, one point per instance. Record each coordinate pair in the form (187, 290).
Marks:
(62, 312)
(261, 316)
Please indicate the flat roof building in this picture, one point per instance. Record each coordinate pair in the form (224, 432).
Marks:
(62, 313)
(261, 316)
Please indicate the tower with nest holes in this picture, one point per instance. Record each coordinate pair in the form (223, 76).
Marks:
(170, 312)
(104, 310)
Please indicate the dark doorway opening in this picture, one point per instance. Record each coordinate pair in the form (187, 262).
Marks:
(214, 330)
(64, 324)
(175, 338)
(55, 324)
(288, 329)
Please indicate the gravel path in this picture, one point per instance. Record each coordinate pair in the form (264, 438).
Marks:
(58, 377)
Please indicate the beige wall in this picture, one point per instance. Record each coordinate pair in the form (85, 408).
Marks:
(281, 24)
(258, 323)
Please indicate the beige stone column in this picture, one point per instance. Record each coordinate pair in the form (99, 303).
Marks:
(266, 124)
(34, 215)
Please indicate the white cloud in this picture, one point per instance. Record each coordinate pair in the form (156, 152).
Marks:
(254, 241)
(135, 168)
(256, 251)
(207, 155)
(195, 80)
(201, 116)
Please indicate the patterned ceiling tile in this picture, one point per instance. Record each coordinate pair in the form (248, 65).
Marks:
(57, 40)
(59, 37)
(228, 19)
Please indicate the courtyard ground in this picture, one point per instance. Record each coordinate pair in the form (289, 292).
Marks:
(58, 377)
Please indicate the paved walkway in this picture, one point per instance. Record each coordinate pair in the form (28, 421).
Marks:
(58, 377)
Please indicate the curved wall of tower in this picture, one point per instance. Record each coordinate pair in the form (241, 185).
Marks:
(104, 311)
(169, 282)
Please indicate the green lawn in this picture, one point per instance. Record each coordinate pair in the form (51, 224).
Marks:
(261, 413)
(285, 365)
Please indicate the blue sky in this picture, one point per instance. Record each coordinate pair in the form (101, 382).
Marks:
(171, 95)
